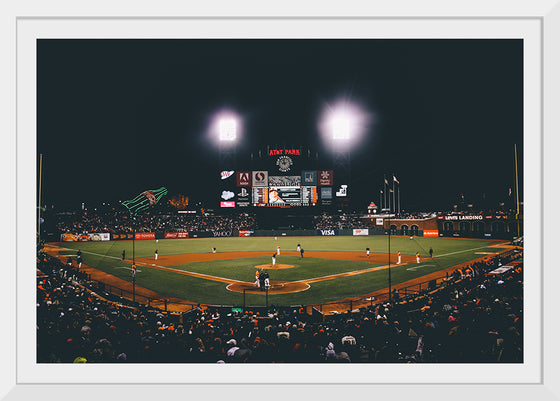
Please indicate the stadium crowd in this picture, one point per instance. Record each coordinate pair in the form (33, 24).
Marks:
(119, 222)
(326, 221)
(476, 317)
(115, 222)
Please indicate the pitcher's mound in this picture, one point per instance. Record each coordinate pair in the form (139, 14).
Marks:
(276, 287)
(269, 266)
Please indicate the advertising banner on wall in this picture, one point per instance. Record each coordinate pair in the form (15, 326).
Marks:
(227, 204)
(222, 233)
(378, 222)
(145, 236)
(327, 232)
(85, 237)
(121, 236)
(360, 231)
(431, 233)
(176, 235)
(68, 237)
(246, 233)
(100, 237)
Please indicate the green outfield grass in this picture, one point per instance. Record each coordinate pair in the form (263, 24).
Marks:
(106, 256)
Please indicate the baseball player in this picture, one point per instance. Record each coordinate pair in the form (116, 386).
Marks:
(213, 250)
(133, 270)
(156, 254)
(399, 257)
(298, 247)
(257, 281)
(278, 250)
(367, 252)
(431, 252)
(273, 259)
(123, 253)
(417, 257)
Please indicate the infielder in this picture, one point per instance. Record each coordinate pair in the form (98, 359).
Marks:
(367, 252)
(273, 260)
(156, 255)
(399, 257)
(417, 257)
(278, 250)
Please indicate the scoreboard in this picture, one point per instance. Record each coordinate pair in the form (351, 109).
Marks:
(276, 182)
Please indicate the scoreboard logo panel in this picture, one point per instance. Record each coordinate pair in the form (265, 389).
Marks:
(260, 178)
(243, 178)
(325, 177)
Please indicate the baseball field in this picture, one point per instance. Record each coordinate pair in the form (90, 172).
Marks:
(332, 268)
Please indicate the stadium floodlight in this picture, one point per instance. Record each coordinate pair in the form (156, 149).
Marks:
(340, 127)
(342, 124)
(227, 129)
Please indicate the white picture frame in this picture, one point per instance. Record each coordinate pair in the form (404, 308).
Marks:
(248, 382)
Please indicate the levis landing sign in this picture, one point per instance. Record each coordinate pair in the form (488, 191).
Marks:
(327, 232)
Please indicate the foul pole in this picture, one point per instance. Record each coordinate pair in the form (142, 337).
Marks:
(40, 182)
(516, 190)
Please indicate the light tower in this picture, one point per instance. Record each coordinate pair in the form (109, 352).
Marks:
(225, 129)
(342, 126)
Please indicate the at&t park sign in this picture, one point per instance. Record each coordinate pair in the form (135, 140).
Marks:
(282, 152)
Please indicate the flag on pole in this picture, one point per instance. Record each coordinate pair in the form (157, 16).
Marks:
(395, 179)
(144, 200)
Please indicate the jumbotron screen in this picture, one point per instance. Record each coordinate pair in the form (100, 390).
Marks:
(285, 191)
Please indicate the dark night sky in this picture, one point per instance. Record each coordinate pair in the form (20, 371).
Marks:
(117, 117)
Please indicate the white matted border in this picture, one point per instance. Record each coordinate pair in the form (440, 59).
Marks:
(18, 374)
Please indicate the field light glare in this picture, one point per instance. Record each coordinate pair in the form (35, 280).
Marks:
(343, 124)
(225, 128)
(228, 129)
(340, 127)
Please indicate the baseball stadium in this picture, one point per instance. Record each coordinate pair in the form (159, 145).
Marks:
(309, 262)
(286, 251)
